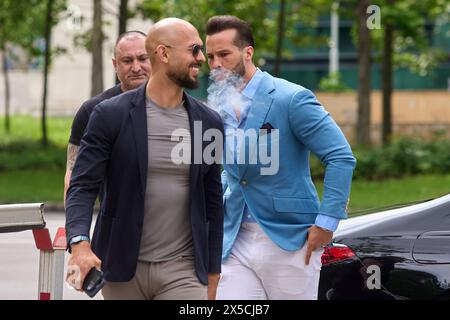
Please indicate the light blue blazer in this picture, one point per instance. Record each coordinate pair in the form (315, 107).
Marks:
(286, 204)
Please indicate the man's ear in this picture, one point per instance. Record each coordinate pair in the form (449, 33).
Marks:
(249, 51)
(162, 53)
(114, 61)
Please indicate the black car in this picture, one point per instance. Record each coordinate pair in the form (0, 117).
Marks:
(397, 254)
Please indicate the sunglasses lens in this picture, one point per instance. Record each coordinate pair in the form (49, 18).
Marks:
(196, 49)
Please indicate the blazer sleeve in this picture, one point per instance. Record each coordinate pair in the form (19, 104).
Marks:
(315, 128)
(88, 174)
(214, 213)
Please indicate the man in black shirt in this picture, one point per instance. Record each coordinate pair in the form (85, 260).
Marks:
(132, 67)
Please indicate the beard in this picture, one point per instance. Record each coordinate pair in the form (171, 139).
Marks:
(182, 79)
(239, 68)
(234, 75)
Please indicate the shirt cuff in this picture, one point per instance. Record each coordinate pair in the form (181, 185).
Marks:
(327, 222)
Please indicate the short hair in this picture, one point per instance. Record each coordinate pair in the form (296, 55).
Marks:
(127, 34)
(244, 35)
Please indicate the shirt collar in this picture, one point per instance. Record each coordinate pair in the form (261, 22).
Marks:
(250, 89)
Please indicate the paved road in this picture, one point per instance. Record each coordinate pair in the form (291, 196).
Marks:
(19, 264)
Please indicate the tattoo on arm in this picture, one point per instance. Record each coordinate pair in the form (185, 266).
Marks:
(72, 152)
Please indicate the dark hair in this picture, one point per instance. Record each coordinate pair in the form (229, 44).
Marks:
(126, 34)
(244, 35)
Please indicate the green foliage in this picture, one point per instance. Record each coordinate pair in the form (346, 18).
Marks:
(411, 20)
(262, 15)
(27, 186)
(29, 173)
(403, 157)
(420, 63)
(333, 83)
(22, 148)
(22, 154)
(377, 194)
(23, 24)
(27, 128)
(83, 40)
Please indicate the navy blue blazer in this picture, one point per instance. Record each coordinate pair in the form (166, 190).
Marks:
(114, 150)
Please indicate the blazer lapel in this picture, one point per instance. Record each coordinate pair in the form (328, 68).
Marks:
(261, 104)
(194, 115)
(138, 116)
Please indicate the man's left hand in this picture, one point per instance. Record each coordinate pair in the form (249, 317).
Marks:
(317, 238)
(213, 282)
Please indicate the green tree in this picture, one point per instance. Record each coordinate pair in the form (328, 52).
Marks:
(97, 49)
(270, 27)
(364, 45)
(47, 57)
(15, 28)
(124, 15)
(22, 27)
(52, 10)
(280, 37)
(404, 41)
(357, 11)
(7, 16)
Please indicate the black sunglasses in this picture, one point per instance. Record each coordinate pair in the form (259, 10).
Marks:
(195, 49)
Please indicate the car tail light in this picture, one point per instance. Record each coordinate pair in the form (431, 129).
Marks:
(336, 252)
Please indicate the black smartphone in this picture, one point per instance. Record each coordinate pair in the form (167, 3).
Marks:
(93, 282)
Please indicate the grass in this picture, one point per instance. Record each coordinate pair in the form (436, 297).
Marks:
(27, 186)
(22, 149)
(47, 186)
(29, 173)
(29, 128)
(369, 194)
(377, 194)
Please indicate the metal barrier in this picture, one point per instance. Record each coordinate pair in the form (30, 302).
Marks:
(21, 217)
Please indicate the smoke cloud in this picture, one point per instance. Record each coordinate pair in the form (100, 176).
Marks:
(224, 92)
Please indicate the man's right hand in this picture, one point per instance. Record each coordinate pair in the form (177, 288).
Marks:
(80, 263)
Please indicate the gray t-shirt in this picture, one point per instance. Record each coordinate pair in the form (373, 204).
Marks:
(167, 229)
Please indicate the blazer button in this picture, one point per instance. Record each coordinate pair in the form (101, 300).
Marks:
(244, 182)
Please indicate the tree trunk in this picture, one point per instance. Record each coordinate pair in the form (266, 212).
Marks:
(281, 29)
(123, 18)
(48, 38)
(7, 88)
(387, 83)
(364, 77)
(97, 50)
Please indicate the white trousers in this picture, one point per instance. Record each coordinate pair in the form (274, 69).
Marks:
(257, 269)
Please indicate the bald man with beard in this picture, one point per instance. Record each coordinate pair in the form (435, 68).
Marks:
(160, 229)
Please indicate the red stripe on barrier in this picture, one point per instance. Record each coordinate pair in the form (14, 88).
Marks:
(60, 241)
(44, 296)
(42, 239)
